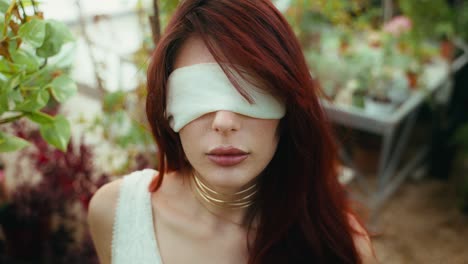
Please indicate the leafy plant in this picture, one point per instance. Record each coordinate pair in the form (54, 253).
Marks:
(307, 16)
(167, 8)
(122, 124)
(29, 81)
(431, 21)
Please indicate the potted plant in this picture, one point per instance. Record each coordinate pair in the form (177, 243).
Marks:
(430, 21)
(373, 66)
(378, 101)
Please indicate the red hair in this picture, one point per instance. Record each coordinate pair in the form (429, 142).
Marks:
(302, 209)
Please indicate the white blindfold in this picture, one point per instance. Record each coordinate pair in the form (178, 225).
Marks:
(199, 89)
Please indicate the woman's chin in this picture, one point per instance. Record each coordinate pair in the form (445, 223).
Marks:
(227, 180)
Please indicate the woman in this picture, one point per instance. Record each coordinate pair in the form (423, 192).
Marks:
(247, 160)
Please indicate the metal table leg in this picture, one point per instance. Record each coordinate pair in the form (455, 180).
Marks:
(395, 157)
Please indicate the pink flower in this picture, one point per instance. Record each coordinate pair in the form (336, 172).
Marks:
(398, 25)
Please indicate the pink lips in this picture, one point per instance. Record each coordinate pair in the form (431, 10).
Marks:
(227, 156)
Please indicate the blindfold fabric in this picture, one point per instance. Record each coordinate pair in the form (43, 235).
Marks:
(199, 89)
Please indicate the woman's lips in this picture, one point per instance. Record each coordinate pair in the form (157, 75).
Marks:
(227, 156)
(227, 160)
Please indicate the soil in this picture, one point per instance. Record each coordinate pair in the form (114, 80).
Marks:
(421, 223)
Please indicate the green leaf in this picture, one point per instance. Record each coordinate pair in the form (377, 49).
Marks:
(2, 21)
(137, 135)
(56, 35)
(4, 4)
(13, 43)
(169, 6)
(33, 32)
(16, 96)
(11, 143)
(40, 118)
(34, 102)
(25, 60)
(12, 83)
(8, 67)
(114, 101)
(57, 133)
(40, 77)
(3, 102)
(63, 88)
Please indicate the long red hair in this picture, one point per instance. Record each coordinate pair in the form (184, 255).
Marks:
(302, 209)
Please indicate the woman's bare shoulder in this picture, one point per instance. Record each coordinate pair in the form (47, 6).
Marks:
(104, 199)
(101, 218)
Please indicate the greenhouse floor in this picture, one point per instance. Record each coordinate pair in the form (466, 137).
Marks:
(422, 224)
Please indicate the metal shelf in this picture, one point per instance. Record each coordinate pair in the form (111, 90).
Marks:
(437, 77)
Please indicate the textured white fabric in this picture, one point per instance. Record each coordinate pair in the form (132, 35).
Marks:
(204, 88)
(133, 240)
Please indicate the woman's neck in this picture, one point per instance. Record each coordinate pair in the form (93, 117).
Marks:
(227, 205)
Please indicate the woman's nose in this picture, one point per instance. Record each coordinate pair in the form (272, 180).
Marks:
(226, 121)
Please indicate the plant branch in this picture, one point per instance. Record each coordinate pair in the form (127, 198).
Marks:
(155, 23)
(44, 64)
(7, 17)
(89, 44)
(23, 11)
(34, 6)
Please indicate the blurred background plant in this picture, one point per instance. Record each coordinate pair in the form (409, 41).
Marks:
(122, 123)
(375, 53)
(43, 216)
(394, 41)
(435, 21)
(43, 202)
(308, 16)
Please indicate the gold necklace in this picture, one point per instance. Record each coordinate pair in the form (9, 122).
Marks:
(238, 200)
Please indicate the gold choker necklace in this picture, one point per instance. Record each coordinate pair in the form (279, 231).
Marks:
(238, 200)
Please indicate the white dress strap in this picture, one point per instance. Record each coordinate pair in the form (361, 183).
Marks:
(133, 239)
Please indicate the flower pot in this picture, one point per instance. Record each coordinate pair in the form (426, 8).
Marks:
(344, 47)
(398, 96)
(447, 49)
(412, 79)
(359, 99)
(399, 88)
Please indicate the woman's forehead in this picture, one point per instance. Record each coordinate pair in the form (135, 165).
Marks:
(193, 51)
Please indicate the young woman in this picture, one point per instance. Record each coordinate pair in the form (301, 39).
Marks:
(247, 161)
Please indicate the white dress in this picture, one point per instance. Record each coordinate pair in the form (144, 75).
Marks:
(133, 238)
